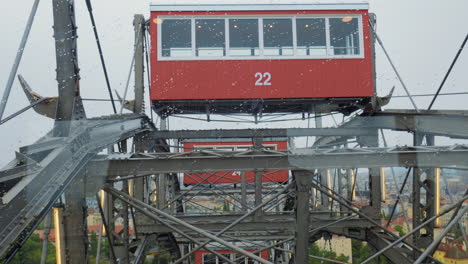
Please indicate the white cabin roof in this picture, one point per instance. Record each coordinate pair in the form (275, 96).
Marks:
(257, 5)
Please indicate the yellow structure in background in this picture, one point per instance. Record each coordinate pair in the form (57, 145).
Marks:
(59, 239)
(451, 253)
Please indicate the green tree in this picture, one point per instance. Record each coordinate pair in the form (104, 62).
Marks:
(93, 244)
(314, 250)
(31, 252)
(162, 258)
(456, 231)
(400, 230)
(361, 252)
(226, 207)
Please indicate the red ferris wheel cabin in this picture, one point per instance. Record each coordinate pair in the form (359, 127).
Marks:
(234, 177)
(260, 56)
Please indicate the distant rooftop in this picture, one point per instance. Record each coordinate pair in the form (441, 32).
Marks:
(249, 5)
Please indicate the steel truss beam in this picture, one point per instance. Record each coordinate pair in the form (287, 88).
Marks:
(27, 203)
(281, 222)
(255, 133)
(158, 215)
(147, 164)
(448, 123)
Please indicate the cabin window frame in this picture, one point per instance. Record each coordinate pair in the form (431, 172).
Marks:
(261, 55)
(242, 147)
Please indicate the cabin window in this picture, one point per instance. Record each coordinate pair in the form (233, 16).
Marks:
(277, 37)
(243, 37)
(221, 261)
(209, 258)
(344, 36)
(311, 37)
(247, 37)
(176, 38)
(210, 37)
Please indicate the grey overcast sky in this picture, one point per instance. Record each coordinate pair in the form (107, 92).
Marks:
(422, 37)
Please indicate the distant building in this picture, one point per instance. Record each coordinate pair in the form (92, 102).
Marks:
(452, 252)
(340, 245)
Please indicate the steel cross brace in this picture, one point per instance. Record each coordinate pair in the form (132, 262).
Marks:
(153, 213)
(258, 207)
(22, 212)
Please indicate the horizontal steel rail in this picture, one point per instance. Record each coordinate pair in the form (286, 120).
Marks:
(154, 163)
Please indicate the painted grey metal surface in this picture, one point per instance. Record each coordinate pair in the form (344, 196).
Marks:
(58, 168)
(19, 55)
(265, 133)
(151, 163)
(155, 214)
(69, 104)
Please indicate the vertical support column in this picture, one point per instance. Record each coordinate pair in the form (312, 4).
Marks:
(139, 25)
(325, 180)
(107, 202)
(375, 185)
(416, 199)
(162, 180)
(257, 146)
(74, 222)
(342, 182)
(45, 242)
(243, 191)
(425, 204)
(126, 226)
(324, 174)
(375, 179)
(258, 192)
(351, 184)
(69, 105)
(303, 185)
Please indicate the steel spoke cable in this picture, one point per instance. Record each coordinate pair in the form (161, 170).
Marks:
(216, 190)
(393, 66)
(403, 238)
(155, 213)
(448, 72)
(191, 197)
(452, 200)
(8, 118)
(101, 55)
(169, 225)
(199, 191)
(398, 200)
(242, 218)
(343, 201)
(19, 56)
(459, 207)
(437, 241)
(269, 247)
(396, 187)
(106, 227)
(122, 102)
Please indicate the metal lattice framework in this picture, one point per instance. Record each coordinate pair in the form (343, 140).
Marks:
(138, 185)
